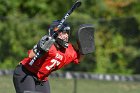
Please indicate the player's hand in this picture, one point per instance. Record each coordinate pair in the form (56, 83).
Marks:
(44, 44)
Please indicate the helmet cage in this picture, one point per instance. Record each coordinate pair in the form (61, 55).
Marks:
(64, 28)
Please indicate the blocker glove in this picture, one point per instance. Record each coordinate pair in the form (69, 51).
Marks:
(44, 44)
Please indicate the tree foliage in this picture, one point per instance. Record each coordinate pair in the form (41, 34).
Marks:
(117, 35)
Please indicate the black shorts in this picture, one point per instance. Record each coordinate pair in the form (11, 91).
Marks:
(25, 81)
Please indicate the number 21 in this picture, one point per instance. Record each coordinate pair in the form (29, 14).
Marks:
(54, 62)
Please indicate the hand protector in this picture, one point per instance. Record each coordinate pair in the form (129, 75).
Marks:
(44, 44)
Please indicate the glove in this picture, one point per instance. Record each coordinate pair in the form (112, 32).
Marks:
(44, 44)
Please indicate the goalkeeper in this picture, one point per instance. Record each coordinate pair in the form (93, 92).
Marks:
(56, 53)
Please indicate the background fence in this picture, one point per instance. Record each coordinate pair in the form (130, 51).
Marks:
(75, 82)
(85, 75)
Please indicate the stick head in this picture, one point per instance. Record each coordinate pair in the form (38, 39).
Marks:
(85, 38)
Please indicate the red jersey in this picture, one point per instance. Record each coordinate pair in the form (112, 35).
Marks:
(52, 60)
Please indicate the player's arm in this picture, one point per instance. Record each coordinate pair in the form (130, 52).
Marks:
(31, 54)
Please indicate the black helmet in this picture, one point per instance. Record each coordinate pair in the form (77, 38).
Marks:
(65, 27)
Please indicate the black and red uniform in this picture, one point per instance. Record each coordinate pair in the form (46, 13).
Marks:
(35, 77)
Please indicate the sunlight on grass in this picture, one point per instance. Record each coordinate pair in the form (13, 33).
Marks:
(59, 85)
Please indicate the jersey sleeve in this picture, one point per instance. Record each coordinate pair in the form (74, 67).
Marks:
(27, 59)
(77, 58)
(76, 55)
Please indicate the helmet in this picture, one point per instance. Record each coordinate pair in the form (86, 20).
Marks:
(64, 28)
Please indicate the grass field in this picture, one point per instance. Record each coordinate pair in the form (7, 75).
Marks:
(83, 86)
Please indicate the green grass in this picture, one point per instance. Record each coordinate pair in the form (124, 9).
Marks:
(83, 86)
